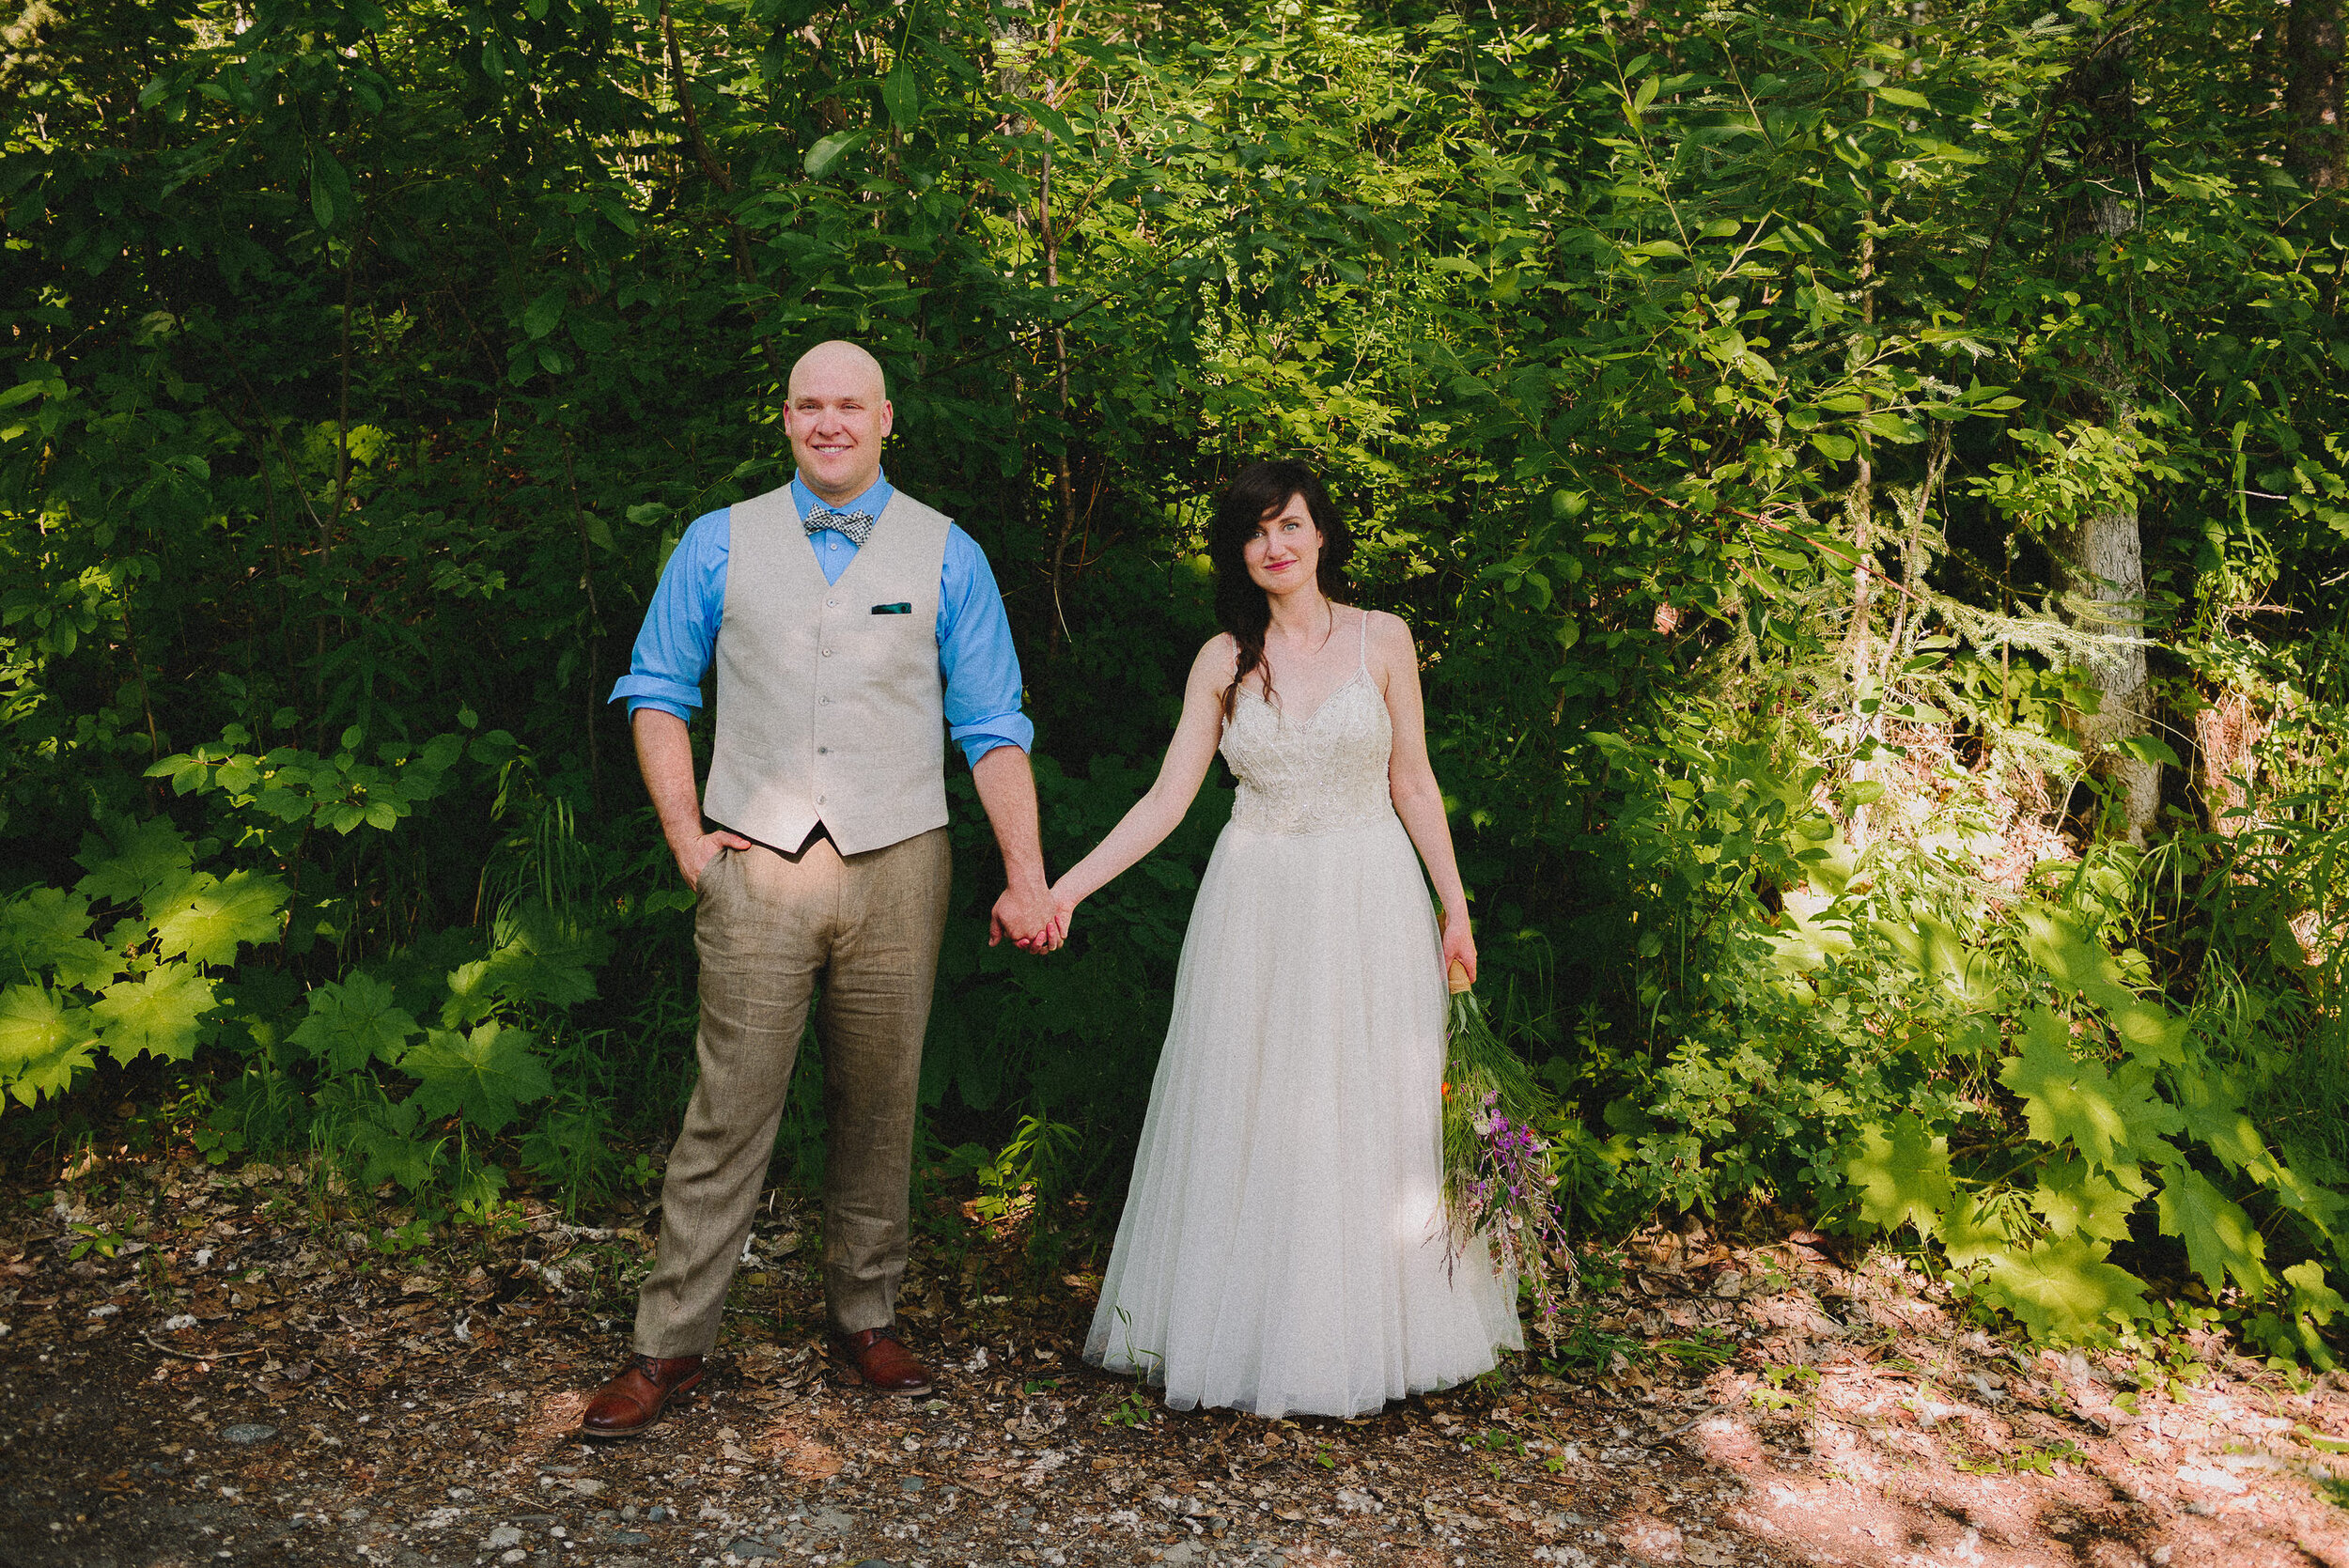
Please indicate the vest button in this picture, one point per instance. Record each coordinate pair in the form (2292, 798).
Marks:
(825, 701)
(819, 800)
(834, 603)
(827, 653)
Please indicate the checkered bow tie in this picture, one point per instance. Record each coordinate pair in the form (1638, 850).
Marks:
(857, 525)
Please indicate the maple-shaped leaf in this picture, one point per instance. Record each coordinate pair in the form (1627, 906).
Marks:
(1903, 1176)
(2113, 1122)
(2219, 1237)
(2312, 1295)
(354, 1022)
(385, 1137)
(2062, 1286)
(210, 922)
(1938, 953)
(140, 858)
(49, 928)
(2210, 1104)
(541, 960)
(2066, 947)
(159, 1013)
(1971, 1232)
(486, 1075)
(2151, 1032)
(2072, 1197)
(2321, 1206)
(42, 1042)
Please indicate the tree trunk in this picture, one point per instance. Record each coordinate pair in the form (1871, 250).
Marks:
(2313, 93)
(2103, 556)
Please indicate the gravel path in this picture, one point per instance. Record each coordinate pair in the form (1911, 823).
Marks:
(251, 1378)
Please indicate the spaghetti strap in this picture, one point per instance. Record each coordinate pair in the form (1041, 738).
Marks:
(1362, 658)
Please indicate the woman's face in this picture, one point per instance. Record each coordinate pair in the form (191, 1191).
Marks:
(1283, 555)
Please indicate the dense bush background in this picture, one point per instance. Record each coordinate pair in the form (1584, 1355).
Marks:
(1866, 480)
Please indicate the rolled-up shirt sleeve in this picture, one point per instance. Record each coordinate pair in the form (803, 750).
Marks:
(975, 655)
(680, 630)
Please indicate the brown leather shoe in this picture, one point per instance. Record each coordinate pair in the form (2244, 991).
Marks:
(882, 1361)
(633, 1401)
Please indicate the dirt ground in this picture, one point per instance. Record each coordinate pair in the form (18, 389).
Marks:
(230, 1373)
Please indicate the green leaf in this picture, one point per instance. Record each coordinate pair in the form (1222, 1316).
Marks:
(2212, 1105)
(1933, 948)
(2151, 1032)
(2219, 1237)
(139, 858)
(42, 1042)
(902, 97)
(2063, 1287)
(544, 961)
(210, 922)
(544, 314)
(485, 1077)
(1905, 1176)
(386, 1139)
(159, 1013)
(1904, 97)
(2114, 1122)
(1971, 1233)
(2075, 1200)
(49, 928)
(828, 151)
(2312, 1295)
(354, 1023)
(2148, 748)
(2061, 943)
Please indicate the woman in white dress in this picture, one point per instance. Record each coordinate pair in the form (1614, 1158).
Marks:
(1283, 1247)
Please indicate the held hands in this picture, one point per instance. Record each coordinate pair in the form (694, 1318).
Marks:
(694, 855)
(1024, 915)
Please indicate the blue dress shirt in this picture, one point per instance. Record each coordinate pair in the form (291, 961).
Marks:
(974, 652)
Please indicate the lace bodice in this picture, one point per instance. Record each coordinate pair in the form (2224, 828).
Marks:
(1327, 771)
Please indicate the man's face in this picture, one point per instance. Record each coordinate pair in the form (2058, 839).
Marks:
(837, 420)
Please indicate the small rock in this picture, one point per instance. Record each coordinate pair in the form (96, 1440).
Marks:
(628, 1538)
(109, 1310)
(748, 1548)
(655, 1513)
(909, 1484)
(178, 1321)
(1181, 1552)
(355, 1515)
(247, 1432)
(874, 1562)
(461, 1494)
(504, 1536)
(832, 1521)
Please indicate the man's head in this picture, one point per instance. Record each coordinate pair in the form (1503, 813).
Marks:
(837, 418)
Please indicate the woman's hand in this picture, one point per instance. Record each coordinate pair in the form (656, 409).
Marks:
(1056, 925)
(1459, 947)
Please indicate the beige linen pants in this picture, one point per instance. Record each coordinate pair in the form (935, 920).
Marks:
(769, 926)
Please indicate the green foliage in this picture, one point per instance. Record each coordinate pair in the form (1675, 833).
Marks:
(1720, 394)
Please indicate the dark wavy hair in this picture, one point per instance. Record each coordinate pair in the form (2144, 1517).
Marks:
(1241, 607)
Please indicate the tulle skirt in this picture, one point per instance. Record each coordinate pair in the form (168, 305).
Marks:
(1283, 1247)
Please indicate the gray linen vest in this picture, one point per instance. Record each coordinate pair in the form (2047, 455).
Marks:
(827, 711)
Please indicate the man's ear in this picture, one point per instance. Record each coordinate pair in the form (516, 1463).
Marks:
(888, 417)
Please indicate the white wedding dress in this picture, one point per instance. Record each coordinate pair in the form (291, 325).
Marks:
(1283, 1246)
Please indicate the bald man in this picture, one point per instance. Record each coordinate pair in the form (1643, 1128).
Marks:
(854, 631)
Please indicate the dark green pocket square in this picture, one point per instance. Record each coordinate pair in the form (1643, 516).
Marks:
(893, 609)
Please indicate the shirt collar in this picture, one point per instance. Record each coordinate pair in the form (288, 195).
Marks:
(871, 503)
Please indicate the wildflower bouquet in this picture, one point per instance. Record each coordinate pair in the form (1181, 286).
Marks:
(1500, 1175)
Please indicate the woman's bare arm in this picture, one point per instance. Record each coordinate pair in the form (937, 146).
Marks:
(1161, 809)
(1412, 783)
